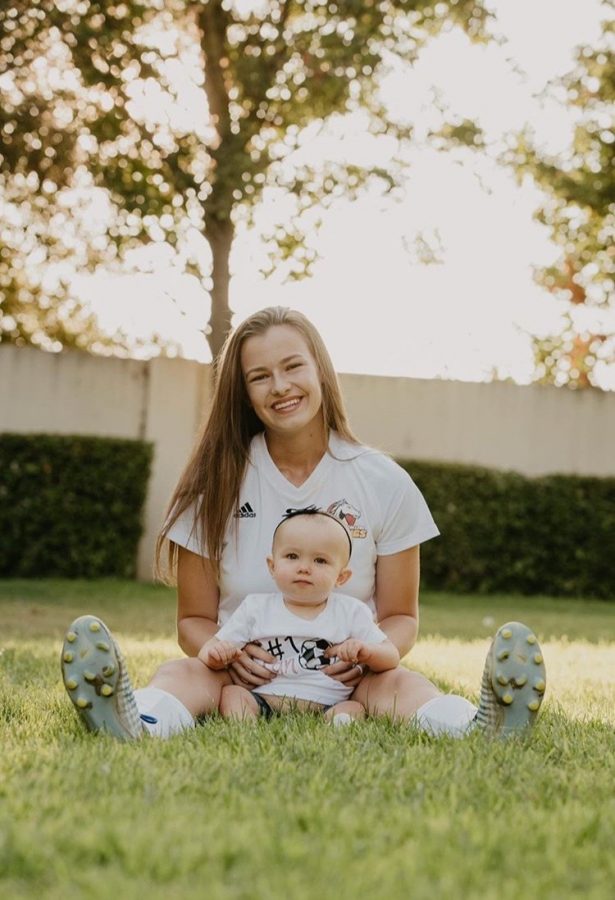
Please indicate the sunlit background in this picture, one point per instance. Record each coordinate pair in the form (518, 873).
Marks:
(435, 280)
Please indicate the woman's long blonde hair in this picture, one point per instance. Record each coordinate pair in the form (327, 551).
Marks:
(212, 479)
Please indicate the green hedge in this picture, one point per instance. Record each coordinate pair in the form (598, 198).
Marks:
(71, 506)
(501, 531)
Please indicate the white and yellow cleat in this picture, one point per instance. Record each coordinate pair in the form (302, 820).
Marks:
(96, 680)
(514, 682)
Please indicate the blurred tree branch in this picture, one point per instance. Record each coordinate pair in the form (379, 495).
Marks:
(93, 98)
(579, 210)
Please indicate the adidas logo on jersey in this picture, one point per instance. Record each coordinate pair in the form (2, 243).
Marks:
(245, 512)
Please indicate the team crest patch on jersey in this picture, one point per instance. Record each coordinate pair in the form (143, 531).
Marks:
(349, 515)
(245, 511)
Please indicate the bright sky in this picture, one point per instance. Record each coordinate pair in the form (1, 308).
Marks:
(380, 309)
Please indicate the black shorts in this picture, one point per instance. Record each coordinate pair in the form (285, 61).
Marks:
(267, 712)
(264, 708)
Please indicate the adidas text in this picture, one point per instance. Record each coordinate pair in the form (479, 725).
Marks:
(245, 512)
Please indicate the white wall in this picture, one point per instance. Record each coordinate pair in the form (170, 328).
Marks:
(533, 430)
(70, 393)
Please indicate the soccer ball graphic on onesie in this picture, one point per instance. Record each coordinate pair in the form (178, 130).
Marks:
(312, 655)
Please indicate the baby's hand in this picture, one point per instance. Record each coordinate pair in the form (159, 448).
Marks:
(219, 654)
(351, 650)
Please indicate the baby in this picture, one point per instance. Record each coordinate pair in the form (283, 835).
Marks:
(305, 626)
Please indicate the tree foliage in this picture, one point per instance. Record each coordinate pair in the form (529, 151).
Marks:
(99, 98)
(580, 212)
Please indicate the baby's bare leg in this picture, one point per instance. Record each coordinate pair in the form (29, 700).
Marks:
(343, 713)
(237, 702)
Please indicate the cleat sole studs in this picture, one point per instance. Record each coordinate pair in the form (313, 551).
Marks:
(71, 683)
(106, 690)
(507, 699)
(506, 633)
(94, 626)
(521, 680)
(531, 639)
(502, 679)
(108, 670)
(533, 705)
(68, 657)
(89, 676)
(82, 703)
(102, 645)
(71, 637)
(503, 654)
(537, 658)
(539, 686)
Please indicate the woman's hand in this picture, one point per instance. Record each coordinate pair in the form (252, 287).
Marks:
(347, 673)
(247, 670)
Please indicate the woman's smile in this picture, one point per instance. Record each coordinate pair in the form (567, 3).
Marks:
(286, 406)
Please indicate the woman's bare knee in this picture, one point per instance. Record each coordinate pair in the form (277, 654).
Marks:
(196, 686)
(397, 693)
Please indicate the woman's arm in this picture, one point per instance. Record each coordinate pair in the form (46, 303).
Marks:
(397, 597)
(198, 597)
(397, 607)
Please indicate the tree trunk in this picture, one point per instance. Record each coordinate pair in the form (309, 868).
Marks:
(213, 21)
(219, 234)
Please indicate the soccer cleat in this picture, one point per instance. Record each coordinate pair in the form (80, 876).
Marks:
(514, 682)
(105, 700)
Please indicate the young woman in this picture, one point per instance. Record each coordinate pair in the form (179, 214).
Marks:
(278, 438)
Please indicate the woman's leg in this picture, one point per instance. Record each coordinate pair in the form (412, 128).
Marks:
(237, 702)
(408, 696)
(179, 691)
(512, 689)
(397, 693)
(97, 681)
(192, 683)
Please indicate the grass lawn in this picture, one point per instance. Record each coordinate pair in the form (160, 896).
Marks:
(292, 809)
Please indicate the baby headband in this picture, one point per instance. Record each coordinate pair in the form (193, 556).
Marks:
(312, 510)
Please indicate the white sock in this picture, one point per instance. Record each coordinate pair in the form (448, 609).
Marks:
(341, 719)
(446, 714)
(170, 714)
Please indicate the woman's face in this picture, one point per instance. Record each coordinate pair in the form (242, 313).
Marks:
(282, 379)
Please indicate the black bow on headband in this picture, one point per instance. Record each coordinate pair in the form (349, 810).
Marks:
(301, 511)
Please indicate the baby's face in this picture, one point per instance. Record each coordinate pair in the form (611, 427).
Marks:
(309, 559)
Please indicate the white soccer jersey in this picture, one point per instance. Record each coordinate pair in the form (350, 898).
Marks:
(374, 497)
(299, 644)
